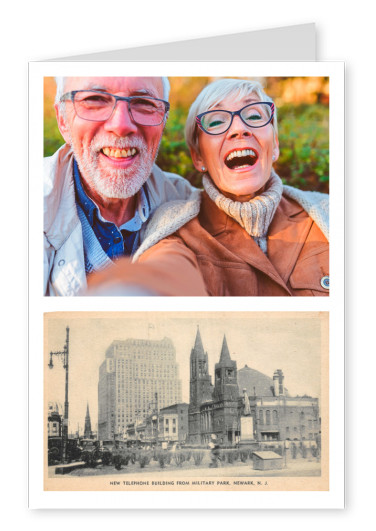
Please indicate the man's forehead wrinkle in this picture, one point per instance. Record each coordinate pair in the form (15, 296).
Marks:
(145, 92)
(131, 92)
(95, 86)
(117, 85)
(86, 85)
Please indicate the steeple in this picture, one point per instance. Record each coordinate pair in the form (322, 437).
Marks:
(87, 430)
(198, 349)
(225, 358)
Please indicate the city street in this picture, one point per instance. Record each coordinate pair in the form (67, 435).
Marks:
(295, 468)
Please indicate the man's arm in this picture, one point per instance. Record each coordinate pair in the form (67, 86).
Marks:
(168, 268)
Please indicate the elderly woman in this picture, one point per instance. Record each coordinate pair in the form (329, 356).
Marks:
(249, 234)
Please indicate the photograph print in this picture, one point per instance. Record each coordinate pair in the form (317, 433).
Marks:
(188, 186)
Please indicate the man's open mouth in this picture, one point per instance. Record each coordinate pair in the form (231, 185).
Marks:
(241, 158)
(116, 153)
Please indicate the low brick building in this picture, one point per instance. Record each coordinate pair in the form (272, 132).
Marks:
(173, 423)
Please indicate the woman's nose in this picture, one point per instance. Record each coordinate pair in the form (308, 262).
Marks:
(120, 121)
(238, 128)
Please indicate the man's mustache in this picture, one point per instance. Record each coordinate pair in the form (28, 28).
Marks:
(100, 142)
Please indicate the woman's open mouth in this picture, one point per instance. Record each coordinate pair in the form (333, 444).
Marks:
(241, 158)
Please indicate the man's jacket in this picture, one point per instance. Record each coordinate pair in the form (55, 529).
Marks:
(64, 263)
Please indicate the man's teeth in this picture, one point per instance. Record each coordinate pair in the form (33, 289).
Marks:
(241, 153)
(119, 153)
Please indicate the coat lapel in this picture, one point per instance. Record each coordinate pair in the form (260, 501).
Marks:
(287, 234)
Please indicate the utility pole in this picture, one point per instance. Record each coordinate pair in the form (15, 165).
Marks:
(64, 356)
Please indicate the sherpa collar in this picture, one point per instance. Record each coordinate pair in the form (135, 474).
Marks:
(171, 216)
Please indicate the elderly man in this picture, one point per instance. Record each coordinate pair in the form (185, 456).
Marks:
(102, 186)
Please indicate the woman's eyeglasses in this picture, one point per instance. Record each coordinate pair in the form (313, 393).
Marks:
(254, 115)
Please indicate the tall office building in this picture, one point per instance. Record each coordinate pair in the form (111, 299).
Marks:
(137, 376)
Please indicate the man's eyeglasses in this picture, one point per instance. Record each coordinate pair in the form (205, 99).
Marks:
(253, 115)
(98, 106)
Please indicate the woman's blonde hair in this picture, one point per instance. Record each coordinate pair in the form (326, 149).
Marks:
(216, 92)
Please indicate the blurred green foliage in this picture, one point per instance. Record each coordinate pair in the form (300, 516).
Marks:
(303, 142)
(52, 137)
(304, 146)
(173, 154)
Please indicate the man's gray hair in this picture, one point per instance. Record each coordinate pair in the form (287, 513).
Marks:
(60, 84)
(216, 92)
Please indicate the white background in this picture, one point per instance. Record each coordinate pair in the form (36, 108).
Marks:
(41, 30)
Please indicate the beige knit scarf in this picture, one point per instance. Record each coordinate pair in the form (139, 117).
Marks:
(255, 215)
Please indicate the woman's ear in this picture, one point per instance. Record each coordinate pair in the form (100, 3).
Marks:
(62, 124)
(275, 149)
(197, 160)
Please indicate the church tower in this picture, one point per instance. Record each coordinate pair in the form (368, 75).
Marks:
(87, 430)
(200, 381)
(200, 388)
(226, 379)
(226, 396)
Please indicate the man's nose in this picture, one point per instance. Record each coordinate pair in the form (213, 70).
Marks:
(238, 128)
(120, 121)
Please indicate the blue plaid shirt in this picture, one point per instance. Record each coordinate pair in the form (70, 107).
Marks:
(115, 241)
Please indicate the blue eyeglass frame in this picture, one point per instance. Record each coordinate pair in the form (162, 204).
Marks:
(71, 95)
(236, 113)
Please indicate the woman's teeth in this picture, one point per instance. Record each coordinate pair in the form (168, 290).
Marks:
(241, 158)
(241, 153)
(119, 153)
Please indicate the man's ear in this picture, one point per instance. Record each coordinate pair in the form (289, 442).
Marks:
(197, 160)
(61, 122)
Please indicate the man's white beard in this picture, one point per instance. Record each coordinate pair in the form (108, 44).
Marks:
(114, 183)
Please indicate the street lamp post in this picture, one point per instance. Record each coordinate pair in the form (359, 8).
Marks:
(64, 355)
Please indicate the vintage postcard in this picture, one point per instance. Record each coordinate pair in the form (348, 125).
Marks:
(186, 401)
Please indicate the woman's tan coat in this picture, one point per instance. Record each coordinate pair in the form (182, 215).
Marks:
(213, 255)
